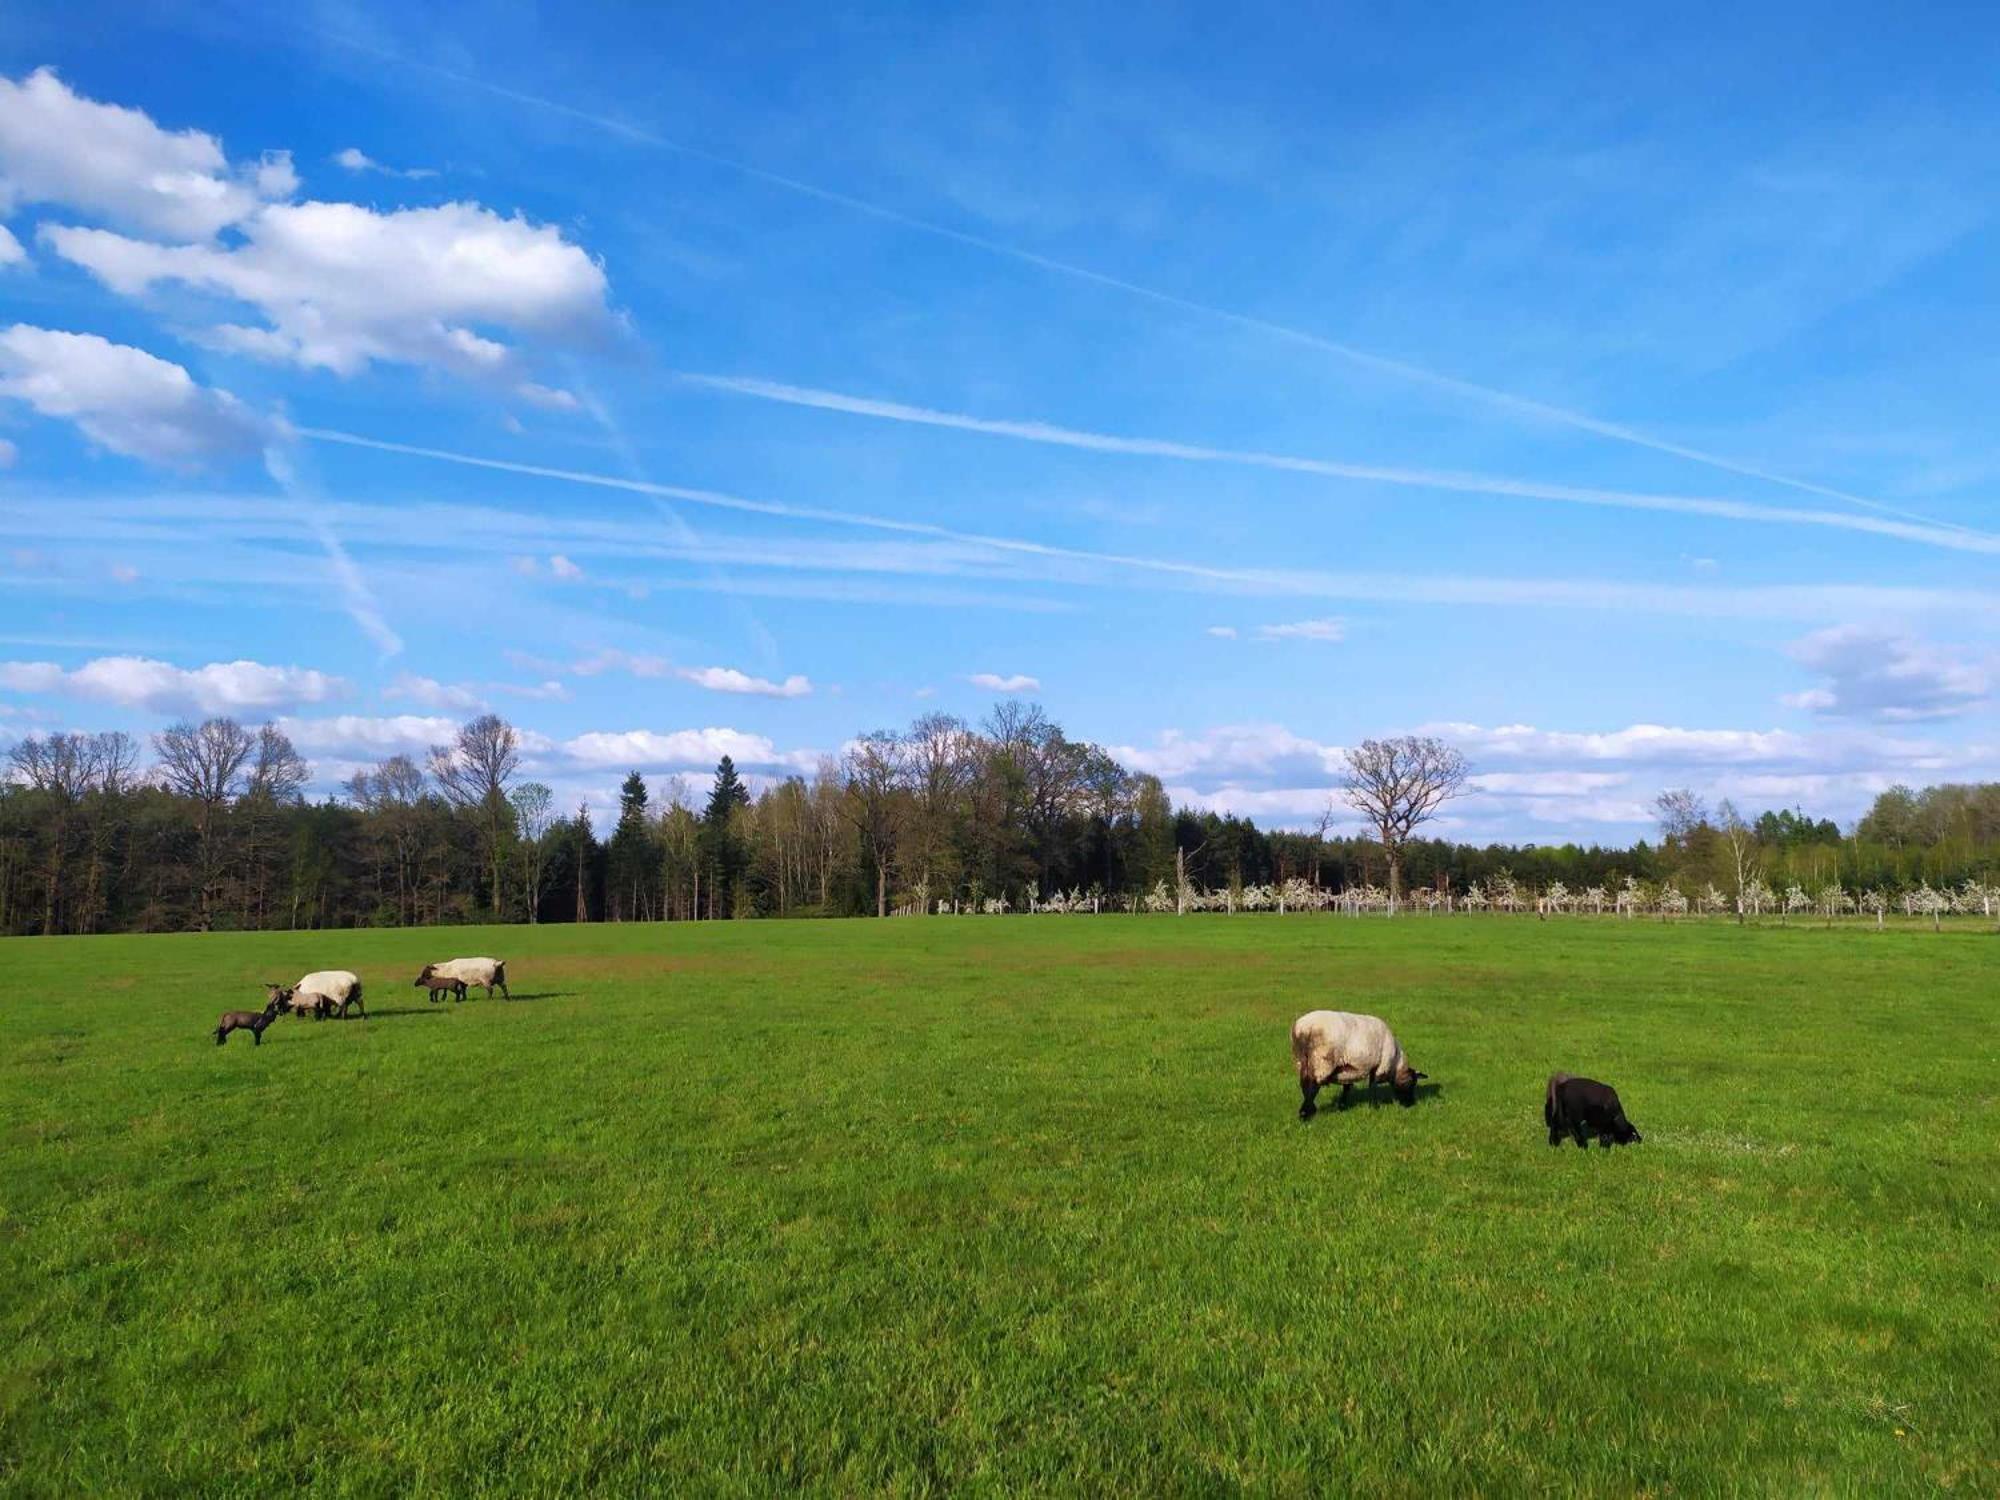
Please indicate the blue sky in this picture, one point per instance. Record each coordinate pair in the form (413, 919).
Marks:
(1611, 393)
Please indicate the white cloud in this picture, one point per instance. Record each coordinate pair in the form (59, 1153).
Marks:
(715, 679)
(564, 569)
(141, 682)
(729, 680)
(363, 737)
(684, 750)
(1268, 754)
(356, 160)
(11, 253)
(1304, 630)
(340, 286)
(125, 399)
(115, 164)
(1879, 674)
(431, 693)
(547, 397)
(994, 682)
(1223, 632)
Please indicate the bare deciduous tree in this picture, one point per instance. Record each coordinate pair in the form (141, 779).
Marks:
(939, 751)
(873, 772)
(473, 773)
(1398, 785)
(204, 763)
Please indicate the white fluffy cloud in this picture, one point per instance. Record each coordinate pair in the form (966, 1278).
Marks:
(684, 750)
(729, 680)
(11, 253)
(363, 737)
(354, 159)
(1879, 674)
(115, 164)
(715, 679)
(994, 682)
(340, 286)
(125, 399)
(141, 682)
(1223, 632)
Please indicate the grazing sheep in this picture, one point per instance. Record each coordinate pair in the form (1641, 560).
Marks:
(289, 1001)
(1335, 1046)
(488, 973)
(1580, 1106)
(252, 1021)
(337, 987)
(440, 984)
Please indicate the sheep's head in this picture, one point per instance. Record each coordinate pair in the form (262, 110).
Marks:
(1406, 1085)
(277, 995)
(424, 980)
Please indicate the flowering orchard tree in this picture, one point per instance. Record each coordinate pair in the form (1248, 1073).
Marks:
(1672, 902)
(1796, 899)
(1713, 902)
(1756, 896)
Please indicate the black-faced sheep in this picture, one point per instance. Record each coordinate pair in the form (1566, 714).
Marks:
(1335, 1046)
(290, 1002)
(486, 973)
(1582, 1107)
(337, 987)
(440, 984)
(252, 1021)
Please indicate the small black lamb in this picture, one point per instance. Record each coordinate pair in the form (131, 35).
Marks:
(252, 1021)
(1582, 1106)
(439, 984)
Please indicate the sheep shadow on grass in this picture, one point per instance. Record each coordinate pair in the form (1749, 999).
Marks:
(1380, 1097)
(547, 995)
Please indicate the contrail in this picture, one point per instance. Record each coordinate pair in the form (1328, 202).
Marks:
(1402, 369)
(1955, 538)
(360, 601)
(1777, 602)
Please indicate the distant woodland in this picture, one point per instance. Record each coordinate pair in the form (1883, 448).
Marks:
(207, 826)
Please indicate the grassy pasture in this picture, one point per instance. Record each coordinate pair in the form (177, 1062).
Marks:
(993, 1205)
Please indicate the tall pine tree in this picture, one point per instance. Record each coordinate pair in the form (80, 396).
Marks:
(633, 864)
(722, 853)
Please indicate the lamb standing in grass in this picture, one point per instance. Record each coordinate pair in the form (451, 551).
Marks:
(487, 973)
(337, 987)
(1336, 1046)
(252, 1021)
(1583, 1107)
(440, 984)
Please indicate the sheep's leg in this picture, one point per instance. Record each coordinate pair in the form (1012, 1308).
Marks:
(1346, 1095)
(221, 1036)
(1582, 1133)
(1309, 1092)
(505, 993)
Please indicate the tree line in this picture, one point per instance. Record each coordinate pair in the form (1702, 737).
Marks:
(217, 833)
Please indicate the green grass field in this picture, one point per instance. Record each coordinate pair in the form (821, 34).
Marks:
(993, 1205)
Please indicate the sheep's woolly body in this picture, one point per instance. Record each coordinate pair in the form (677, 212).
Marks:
(485, 972)
(337, 985)
(1336, 1046)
